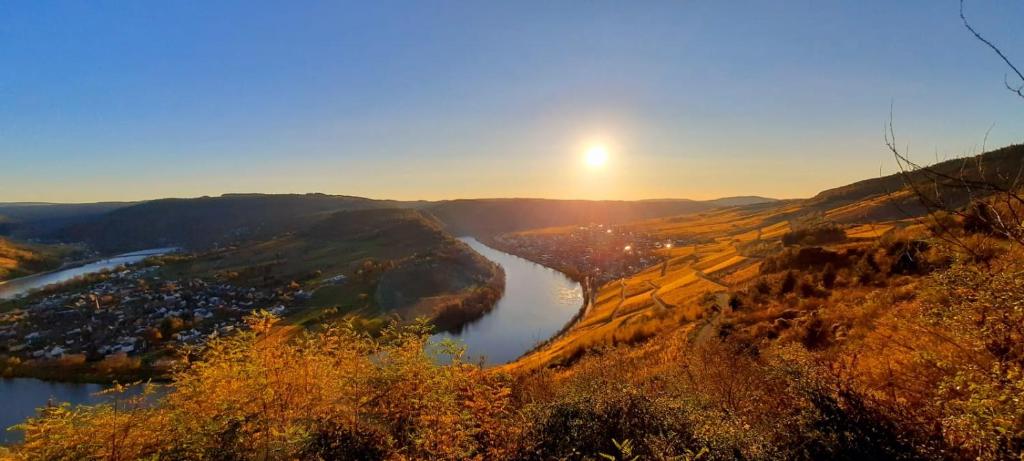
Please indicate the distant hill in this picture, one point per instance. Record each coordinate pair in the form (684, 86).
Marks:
(394, 227)
(432, 263)
(208, 221)
(485, 217)
(740, 201)
(216, 221)
(39, 219)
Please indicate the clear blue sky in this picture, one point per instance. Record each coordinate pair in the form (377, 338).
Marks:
(428, 99)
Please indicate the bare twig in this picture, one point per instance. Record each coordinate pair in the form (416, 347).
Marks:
(1019, 89)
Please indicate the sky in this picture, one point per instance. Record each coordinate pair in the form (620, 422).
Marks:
(435, 100)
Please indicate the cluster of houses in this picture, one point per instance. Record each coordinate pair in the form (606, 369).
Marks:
(132, 311)
(603, 253)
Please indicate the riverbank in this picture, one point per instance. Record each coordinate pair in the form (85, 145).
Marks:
(537, 302)
(586, 283)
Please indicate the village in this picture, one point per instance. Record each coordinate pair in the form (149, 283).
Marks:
(130, 312)
(599, 252)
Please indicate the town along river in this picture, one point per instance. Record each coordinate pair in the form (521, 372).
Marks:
(19, 397)
(538, 301)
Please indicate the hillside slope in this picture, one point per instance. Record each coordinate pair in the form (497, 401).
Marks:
(393, 260)
(217, 221)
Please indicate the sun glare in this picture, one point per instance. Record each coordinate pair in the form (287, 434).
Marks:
(597, 156)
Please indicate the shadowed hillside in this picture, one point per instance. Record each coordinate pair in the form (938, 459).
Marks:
(217, 221)
(208, 221)
(42, 219)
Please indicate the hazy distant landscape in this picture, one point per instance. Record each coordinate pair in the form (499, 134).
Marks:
(512, 231)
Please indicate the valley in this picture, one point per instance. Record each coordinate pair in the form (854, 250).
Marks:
(735, 305)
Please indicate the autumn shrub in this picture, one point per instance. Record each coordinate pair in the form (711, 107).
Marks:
(982, 312)
(582, 425)
(258, 395)
(820, 234)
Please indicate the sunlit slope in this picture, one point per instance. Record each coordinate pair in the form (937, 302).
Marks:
(725, 252)
(674, 291)
(888, 198)
(18, 259)
(722, 248)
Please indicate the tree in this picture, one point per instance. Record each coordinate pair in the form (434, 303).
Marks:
(788, 283)
(993, 198)
(828, 276)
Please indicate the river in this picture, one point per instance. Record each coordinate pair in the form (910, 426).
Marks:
(537, 302)
(21, 286)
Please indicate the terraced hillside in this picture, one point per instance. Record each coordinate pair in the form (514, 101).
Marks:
(710, 253)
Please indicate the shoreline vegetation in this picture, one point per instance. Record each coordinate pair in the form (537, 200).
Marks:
(454, 316)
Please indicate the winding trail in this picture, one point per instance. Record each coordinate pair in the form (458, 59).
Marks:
(721, 306)
(657, 299)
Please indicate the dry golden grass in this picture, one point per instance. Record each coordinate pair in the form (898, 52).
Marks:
(19, 259)
(869, 231)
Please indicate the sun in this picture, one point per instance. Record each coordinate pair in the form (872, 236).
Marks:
(596, 156)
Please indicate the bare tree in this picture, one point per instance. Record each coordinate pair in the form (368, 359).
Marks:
(1016, 89)
(985, 199)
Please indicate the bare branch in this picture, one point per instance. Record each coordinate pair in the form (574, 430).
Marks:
(1019, 89)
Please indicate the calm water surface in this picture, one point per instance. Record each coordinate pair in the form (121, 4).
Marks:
(538, 301)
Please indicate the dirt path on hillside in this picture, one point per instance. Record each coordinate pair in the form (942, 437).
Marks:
(721, 306)
(657, 299)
